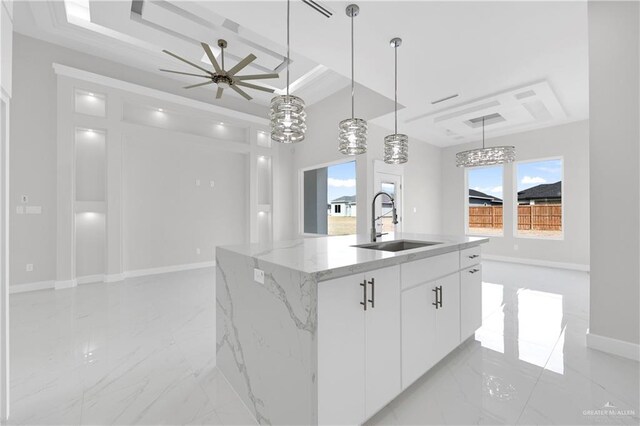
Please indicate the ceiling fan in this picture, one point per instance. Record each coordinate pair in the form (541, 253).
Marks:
(224, 79)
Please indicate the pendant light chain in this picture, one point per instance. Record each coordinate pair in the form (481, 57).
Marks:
(288, 56)
(353, 90)
(395, 51)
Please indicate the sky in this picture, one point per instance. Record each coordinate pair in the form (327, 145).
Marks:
(489, 179)
(341, 180)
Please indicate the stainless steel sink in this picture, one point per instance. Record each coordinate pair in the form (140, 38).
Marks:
(396, 245)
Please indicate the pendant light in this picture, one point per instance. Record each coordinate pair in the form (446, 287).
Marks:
(486, 156)
(396, 146)
(287, 113)
(352, 139)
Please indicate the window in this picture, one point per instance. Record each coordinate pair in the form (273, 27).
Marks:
(329, 200)
(539, 195)
(484, 199)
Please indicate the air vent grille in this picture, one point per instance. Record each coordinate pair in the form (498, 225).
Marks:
(323, 10)
(488, 119)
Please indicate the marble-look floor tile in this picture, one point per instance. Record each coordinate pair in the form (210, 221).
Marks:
(143, 352)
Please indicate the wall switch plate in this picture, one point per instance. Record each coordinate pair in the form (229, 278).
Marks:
(258, 275)
(197, 251)
(24, 199)
(197, 182)
(212, 183)
(29, 267)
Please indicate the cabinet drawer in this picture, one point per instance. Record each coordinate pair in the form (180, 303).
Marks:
(424, 270)
(470, 257)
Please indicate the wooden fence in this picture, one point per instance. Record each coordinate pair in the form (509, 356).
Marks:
(535, 217)
(540, 217)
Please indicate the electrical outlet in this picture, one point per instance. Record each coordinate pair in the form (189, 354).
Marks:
(29, 267)
(197, 251)
(415, 210)
(258, 275)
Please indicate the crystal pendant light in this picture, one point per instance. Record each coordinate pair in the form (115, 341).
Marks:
(352, 139)
(396, 146)
(486, 156)
(287, 113)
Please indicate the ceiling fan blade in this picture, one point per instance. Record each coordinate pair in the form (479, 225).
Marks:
(243, 63)
(241, 92)
(253, 86)
(198, 85)
(212, 58)
(186, 73)
(256, 76)
(219, 92)
(187, 62)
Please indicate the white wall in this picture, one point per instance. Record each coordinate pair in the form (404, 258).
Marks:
(421, 173)
(166, 216)
(614, 55)
(187, 224)
(570, 141)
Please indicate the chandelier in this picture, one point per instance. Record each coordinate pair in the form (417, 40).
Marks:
(486, 156)
(396, 146)
(352, 139)
(287, 113)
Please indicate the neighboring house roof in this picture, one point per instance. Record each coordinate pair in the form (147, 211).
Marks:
(543, 191)
(347, 199)
(477, 194)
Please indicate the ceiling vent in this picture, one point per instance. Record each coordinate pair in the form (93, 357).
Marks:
(487, 119)
(437, 101)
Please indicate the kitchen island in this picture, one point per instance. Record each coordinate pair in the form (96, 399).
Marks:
(317, 331)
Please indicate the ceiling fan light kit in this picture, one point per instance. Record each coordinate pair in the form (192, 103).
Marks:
(287, 114)
(352, 139)
(486, 156)
(396, 146)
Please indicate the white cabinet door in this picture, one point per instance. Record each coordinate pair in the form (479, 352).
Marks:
(382, 338)
(470, 301)
(418, 332)
(341, 351)
(448, 315)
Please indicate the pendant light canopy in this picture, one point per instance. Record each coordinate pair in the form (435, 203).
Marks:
(352, 139)
(396, 146)
(486, 156)
(287, 113)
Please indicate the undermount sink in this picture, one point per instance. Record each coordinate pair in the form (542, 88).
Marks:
(396, 245)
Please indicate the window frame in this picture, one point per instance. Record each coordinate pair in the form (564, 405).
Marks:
(514, 208)
(466, 200)
(300, 203)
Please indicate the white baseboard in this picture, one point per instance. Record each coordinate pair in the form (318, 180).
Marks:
(88, 279)
(59, 285)
(537, 262)
(614, 346)
(172, 268)
(109, 278)
(114, 278)
(35, 286)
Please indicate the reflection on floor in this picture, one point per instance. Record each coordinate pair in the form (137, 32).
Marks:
(528, 363)
(143, 352)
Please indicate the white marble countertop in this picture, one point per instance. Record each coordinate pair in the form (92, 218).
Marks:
(332, 257)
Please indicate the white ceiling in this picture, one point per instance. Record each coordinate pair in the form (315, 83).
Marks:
(478, 50)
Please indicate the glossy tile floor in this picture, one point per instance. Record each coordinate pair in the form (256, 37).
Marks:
(143, 352)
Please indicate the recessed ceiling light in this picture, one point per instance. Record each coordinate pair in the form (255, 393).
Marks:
(160, 110)
(91, 94)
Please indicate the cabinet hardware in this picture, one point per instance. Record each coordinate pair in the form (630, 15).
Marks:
(474, 270)
(473, 256)
(440, 299)
(373, 291)
(435, 290)
(364, 297)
